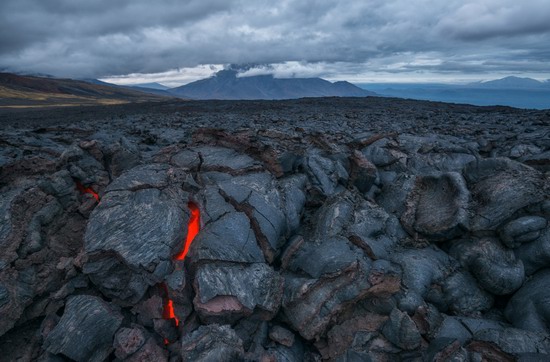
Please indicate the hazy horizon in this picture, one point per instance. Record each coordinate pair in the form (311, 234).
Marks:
(196, 74)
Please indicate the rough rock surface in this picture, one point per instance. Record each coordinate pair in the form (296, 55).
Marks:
(437, 207)
(130, 239)
(500, 187)
(528, 308)
(85, 331)
(326, 229)
(496, 269)
(212, 343)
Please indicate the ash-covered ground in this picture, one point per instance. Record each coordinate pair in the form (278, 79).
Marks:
(343, 229)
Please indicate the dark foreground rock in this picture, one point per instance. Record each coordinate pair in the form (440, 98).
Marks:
(306, 230)
(133, 233)
(212, 343)
(85, 331)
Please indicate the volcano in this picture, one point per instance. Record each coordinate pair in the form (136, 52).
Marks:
(227, 84)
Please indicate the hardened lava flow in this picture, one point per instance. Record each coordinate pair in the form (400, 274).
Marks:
(330, 230)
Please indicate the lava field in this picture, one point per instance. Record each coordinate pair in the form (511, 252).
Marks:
(339, 229)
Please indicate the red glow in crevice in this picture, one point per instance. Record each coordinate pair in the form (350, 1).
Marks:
(193, 229)
(168, 312)
(86, 190)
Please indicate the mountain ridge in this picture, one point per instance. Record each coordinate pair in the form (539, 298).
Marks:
(19, 91)
(226, 84)
(511, 82)
(509, 91)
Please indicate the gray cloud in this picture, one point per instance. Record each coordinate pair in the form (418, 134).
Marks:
(99, 38)
(498, 19)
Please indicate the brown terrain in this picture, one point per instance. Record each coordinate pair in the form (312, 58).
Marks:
(37, 92)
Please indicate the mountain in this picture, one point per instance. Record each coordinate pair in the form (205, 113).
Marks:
(509, 91)
(509, 83)
(97, 81)
(18, 91)
(226, 84)
(152, 85)
(159, 92)
(155, 88)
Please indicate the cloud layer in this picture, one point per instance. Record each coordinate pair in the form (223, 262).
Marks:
(101, 38)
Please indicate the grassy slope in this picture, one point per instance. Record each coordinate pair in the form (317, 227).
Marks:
(22, 92)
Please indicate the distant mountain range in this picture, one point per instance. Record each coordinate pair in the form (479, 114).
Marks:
(152, 85)
(30, 91)
(511, 83)
(226, 84)
(35, 91)
(151, 88)
(510, 91)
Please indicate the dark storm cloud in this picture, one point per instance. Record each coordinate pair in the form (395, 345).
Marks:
(494, 19)
(41, 21)
(97, 38)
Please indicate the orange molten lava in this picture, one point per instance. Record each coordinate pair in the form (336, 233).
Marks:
(87, 190)
(168, 312)
(192, 230)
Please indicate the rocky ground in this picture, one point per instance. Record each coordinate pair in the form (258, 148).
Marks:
(329, 229)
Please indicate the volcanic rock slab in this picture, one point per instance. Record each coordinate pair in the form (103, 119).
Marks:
(437, 207)
(130, 239)
(499, 188)
(535, 255)
(496, 269)
(134, 232)
(134, 344)
(528, 308)
(212, 343)
(522, 230)
(237, 290)
(92, 324)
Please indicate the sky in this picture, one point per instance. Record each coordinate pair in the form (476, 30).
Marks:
(178, 41)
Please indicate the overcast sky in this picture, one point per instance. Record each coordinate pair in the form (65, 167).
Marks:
(177, 41)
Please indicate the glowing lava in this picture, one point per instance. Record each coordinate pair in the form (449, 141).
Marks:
(87, 190)
(192, 230)
(168, 312)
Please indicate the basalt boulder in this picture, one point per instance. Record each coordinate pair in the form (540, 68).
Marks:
(522, 230)
(134, 343)
(500, 187)
(402, 331)
(327, 176)
(258, 197)
(374, 230)
(495, 268)
(437, 207)
(229, 238)
(40, 235)
(430, 275)
(86, 329)
(515, 342)
(229, 292)
(529, 307)
(326, 278)
(134, 232)
(219, 159)
(212, 343)
(535, 255)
